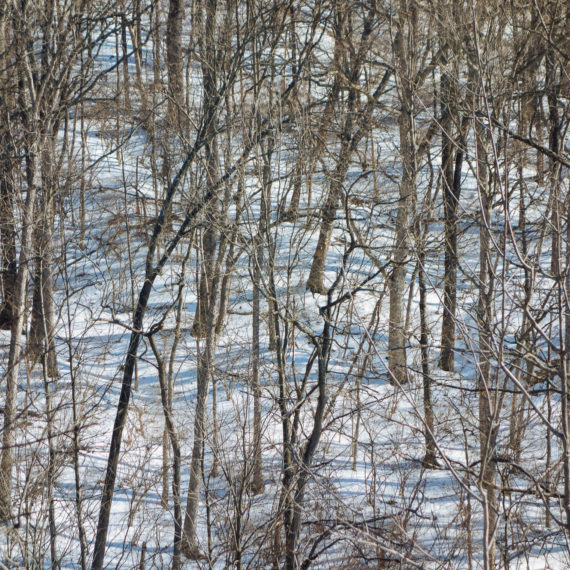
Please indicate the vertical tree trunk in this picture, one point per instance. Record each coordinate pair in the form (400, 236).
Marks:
(348, 143)
(430, 460)
(323, 347)
(175, 444)
(190, 546)
(175, 63)
(50, 475)
(552, 91)
(485, 385)
(451, 192)
(8, 261)
(42, 330)
(257, 485)
(209, 233)
(8, 267)
(565, 396)
(15, 351)
(397, 337)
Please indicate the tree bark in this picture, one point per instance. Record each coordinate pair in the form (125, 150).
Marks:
(175, 63)
(257, 485)
(451, 182)
(42, 329)
(488, 428)
(166, 401)
(190, 546)
(397, 336)
(15, 351)
(8, 262)
(209, 233)
(348, 143)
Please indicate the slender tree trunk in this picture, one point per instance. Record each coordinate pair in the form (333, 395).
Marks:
(175, 444)
(397, 336)
(175, 63)
(554, 169)
(76, 422)
(50, 475)
(42, 330)
(315, 282)
(9, 264)
(209, 234)
(257, 485)
(8, 261)
(323, 353)
(429, 460)
(190, 546)
(485, 384)
(565, 395)
(15, 351)
(348, 143)
(450, 203)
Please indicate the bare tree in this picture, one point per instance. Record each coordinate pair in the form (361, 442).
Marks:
(352, 66)
(405, 48)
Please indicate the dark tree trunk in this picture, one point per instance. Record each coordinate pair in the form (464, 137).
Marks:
(15, 351)
(9, 263)
(175, 63)
(209, 237)
(450, 202)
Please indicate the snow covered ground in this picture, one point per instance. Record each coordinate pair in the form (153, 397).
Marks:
(370, 501)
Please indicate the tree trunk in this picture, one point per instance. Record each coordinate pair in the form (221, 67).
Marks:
(190, 546)
(397, 336)
(42, 330)
(430, 460)
(323, 348)
(15, 351)
(209, 233)
(565, 396)
(257, 485)
(8, 261)
(554, 167)
(9, 265)
(487, 394)
(450, 202)
(175, 63)
(348, 143)
(166, 401)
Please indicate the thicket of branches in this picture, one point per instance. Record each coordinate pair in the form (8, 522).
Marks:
(253, 249)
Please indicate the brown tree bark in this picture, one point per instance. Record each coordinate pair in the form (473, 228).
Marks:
(262, 240)
(404, 48)
(348, 138)
(42, 329)
(451, 164)
(15, 351)
(8, 261)
(175, 63)
(9, 265)
(486, 380)
(190, 546)
(209, 237)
